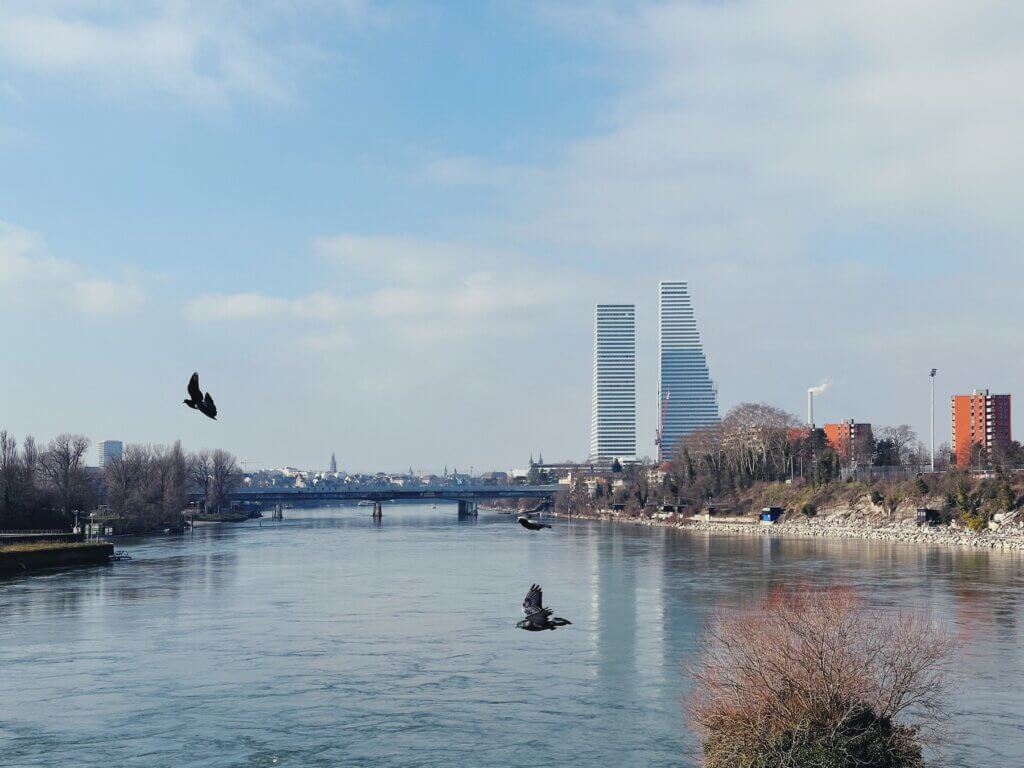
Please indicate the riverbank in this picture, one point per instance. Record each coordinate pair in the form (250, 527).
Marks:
(1010, 538)
(18, 558)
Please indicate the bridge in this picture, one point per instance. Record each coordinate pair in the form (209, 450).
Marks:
(467, 496)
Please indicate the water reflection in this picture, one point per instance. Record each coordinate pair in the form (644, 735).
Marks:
(331, 637)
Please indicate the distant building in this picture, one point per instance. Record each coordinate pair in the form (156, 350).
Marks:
(852, 441)
(110, 450)
(687, 398)
(981, 424)
(334, 463)
(613, 413)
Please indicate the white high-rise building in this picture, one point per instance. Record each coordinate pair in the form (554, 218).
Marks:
(109, 450)
(613, 416)
(687, 398)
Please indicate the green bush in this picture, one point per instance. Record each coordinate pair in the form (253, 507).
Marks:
(973, 521)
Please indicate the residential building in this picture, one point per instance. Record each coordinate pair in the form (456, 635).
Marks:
(687, 398)
(852, 441)
(613, 413)
(109, 450)
(981, 424)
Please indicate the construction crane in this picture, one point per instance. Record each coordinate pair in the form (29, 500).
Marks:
(661, 420)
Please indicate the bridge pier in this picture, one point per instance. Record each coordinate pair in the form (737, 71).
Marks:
(377, 512)
(467, 508)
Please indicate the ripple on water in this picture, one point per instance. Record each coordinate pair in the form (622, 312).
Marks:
(325, 640)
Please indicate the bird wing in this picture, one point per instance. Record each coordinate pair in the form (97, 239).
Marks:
(533, 603)
(210, 408)
(193, 389)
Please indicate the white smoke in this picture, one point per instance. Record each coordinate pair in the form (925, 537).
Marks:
(819, 389)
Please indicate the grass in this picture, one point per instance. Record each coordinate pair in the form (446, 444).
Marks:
(45, 546)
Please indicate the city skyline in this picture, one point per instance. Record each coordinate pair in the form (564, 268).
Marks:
(352, 266)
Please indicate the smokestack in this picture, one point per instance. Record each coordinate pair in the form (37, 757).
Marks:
(810, 400)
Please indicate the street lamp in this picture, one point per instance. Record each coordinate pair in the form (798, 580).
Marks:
(934, 371)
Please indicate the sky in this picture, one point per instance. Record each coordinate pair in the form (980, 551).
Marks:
(379, 229)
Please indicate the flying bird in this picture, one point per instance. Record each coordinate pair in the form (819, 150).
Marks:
(530, 525)
(196, 399)
(538, 618)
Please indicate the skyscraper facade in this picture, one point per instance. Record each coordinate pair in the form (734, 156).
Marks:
(687, 398)
(981, 425)
(110, 450)
(613, 413)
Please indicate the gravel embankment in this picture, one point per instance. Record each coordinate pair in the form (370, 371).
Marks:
(1007, 538)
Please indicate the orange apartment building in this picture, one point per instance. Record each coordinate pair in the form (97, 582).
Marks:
(981, 423)
(850, 439)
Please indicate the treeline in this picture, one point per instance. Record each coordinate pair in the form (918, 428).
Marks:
(757, 444)
(144, 489)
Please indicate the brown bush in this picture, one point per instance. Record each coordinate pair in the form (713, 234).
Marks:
(816, 679)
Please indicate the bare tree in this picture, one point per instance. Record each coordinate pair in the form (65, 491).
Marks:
(225, 477)
(176, 482)
(200, 468)
(903, 438)
(810, 676)
(62, 466)
(10, 478)
(638, 478)
(125, 480)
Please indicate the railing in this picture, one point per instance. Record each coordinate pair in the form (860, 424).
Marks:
(37, 532)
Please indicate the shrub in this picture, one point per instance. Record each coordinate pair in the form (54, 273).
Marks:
(921, 487)
(808, 510)
(818, 679)
(973, 521)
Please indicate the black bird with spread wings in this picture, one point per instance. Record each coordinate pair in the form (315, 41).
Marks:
(531, 525)
(199, 401)
(538, 618)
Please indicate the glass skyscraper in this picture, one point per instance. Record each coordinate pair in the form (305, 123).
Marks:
(110, 450)
(613, 415)
(687, 399)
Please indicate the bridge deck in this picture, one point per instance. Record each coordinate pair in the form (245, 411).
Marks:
(387, 493)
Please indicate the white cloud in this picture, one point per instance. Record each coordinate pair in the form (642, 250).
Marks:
(778, 116)
(402, 259)
(411, 291)
(838, 181)
(206, 53)
(28, 273)
(106, 297)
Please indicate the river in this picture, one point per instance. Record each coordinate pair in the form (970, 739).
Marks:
(325, 640)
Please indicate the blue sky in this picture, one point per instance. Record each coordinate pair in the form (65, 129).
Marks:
(379, 229)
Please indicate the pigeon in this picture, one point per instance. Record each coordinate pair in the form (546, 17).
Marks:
(538, 618)
(199, 401)
(530, 525)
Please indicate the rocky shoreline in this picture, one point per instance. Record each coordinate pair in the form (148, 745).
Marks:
(1009, 538)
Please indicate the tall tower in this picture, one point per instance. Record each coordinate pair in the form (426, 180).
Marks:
(110, 450)
(613, 413)
(334, 463)
(981, 425)
(687, 398)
